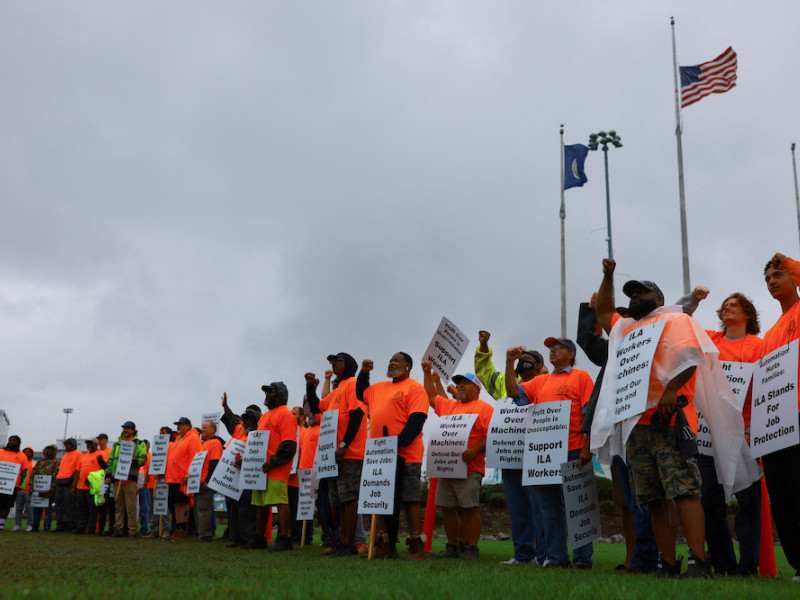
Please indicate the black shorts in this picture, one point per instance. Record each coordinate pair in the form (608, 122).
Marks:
(176, 496)
(7, 501)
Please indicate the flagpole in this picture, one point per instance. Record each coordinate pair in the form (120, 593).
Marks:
(684, 237)
(563, 215)
(796, 192)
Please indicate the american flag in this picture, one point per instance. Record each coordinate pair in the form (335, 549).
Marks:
(712, 77)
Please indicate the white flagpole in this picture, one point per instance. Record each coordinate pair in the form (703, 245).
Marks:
(678, 130)
(563, 215)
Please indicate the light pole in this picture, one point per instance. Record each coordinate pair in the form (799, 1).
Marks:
(604, 139)
(67, 412)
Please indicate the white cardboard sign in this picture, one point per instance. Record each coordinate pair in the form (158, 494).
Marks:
(773, 422)
(739, 375)
(446, 348)
(505, 443)
(8, 477)
(546, 443)
(225, 478)
(161, 499)
(124, 459)
(255, 455)
(158, 455)
(634, 360)
(580, 503)
(42, 483)
(449, 439)
(195, 471)
(325, 461)
(307, 494)
(378, 476)
(38, 501)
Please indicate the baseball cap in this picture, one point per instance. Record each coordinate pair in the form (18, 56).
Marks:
(552, 341)
(631, 286)
(183, 421)
(130, 424)
(471, 377)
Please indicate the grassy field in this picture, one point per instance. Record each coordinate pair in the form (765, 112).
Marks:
(51, 565)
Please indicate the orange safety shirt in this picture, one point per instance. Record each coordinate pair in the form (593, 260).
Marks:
(748, 349)
(214, 449)
(70, 463)
(344, 399)
(446, 406)
(390, 405)
(282, 426)
(180, 455)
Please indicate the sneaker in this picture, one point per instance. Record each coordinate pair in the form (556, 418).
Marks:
(362, 548)
(664, 569)
(696, 568)
(471, 553)
(30, 528)
(416, 547)
(449, 551)
(17, 528)
(282, 544)
(2, 526)
(551, 564)
(514, 561)
(796, 578)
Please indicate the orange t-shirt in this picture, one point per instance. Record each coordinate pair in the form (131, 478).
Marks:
(678, 336)
(180, 455)
(282, 426)
(149, 480)
(88, 465)
(308, 447)
(575, 386)
(214, 449)
(70, 463)
(787, 327)
(344, 399)
(18, 458)
(390, 404)
(446, 406)
(748, 349)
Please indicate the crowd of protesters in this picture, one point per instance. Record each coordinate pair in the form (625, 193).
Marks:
(658, 479)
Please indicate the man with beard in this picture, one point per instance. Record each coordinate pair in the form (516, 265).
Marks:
(399, 407)
(47, 466)
(659, 471)
(65, 500)
(11, 454)
(782, 468)
(125, 490)
(351, 437)
(281, 446)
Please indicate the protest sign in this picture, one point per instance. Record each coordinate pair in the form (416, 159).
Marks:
(633, 361)
(307, 495)
(546, 443)
(505, 443)
(214, 417)
(8, 477)
(38, 501)
(773, 422)
(580, 504)
(195, 471)
(161, 499)
(158, 455)
(225, 478)
(42, 483)
(254, 457)
(124, 459)
(378, 475)
(325, 461)
(739, 375)
(449, 438)
(446, 348)
(296, 459)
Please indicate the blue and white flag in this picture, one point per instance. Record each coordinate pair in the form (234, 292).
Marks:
(574, 157)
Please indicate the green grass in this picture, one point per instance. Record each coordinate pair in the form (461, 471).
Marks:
(51, 565)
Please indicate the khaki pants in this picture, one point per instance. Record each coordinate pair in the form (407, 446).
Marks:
(125, 498)
(203, 509)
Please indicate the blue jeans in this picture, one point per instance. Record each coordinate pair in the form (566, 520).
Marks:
(37, 516)
(22, 504)
(645, 553)
(144, 511)
(551, 501)
(527, 531)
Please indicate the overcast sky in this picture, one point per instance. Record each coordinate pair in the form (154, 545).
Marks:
(202, 197)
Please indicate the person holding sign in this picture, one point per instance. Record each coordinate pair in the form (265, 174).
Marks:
(11, 454)
(399, 407)
(659, 471)
(22, 503)
(564, 383)
(181, 453)
(454, 495)
(281, 447)
(48, 467)
(204, 499)
(85, 509)
(527, 531)
(782, 468)
(351, 437)
(64, 500)
(125, 489)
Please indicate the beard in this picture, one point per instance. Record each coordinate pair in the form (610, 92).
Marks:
(642, 307)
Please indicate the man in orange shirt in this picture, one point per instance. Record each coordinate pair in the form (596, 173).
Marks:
(399, 407)
(179, 457)
(65, 499)
(204, 499)
(106, 512)
(11, 453)
(782, 468)
(564, 383)
(282, 445)
(85, 509)
(296, 526)
(351, 437)
(659, 471)
(459, 499)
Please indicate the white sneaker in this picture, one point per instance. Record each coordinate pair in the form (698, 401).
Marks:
(2, 526)
(29, 528)
(796, 578)
(16, 528)
(514, 561)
